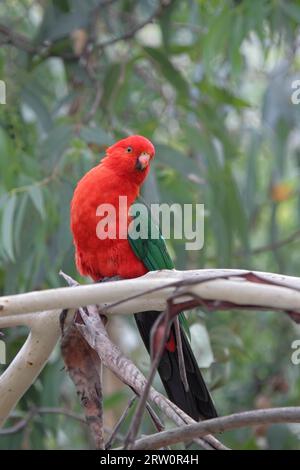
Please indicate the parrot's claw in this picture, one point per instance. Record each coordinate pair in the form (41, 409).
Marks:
(110, 279)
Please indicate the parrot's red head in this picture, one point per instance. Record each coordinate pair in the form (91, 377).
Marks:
(130, 157)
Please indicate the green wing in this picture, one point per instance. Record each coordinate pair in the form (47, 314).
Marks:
(151, 250)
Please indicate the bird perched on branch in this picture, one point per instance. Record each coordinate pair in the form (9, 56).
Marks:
(103, 255)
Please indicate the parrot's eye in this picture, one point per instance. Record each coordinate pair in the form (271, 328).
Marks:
(129, 149)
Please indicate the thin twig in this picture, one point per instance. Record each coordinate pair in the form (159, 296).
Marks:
(44, 410)
(155, 418)
(278, 244)
(119, 423)
(22, 423)
(18, 40)
(132, 32)
(293, 237)
(156, 357)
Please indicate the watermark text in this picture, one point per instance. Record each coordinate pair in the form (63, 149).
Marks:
(295, 357)
(2, 352)
(2, 92)
(176, 221)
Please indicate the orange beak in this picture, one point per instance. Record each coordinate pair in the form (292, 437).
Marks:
(143, 161)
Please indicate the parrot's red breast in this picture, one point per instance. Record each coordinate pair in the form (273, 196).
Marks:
(120, 173)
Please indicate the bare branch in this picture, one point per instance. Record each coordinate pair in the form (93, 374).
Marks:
(119, 423)
(228, 288)
(44, 410)
(15, 39)
(29, 362)
(132, 32)
(217, 425)
(21, 42)
(214, 289)
(155, 418)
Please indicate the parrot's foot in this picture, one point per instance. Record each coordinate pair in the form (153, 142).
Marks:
(110, 279)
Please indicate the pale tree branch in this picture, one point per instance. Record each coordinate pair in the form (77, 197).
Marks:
(217, 425)
(29, 362)
(216, 289)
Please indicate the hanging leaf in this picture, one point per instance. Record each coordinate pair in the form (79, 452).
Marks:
(95, 135)
(8, 225)
(172, 74)
(19, 219)
(110, 84)
(37, 197)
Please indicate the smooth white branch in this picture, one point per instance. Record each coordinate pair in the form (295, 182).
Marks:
(275, 291)
(40, 310)
(29, 361)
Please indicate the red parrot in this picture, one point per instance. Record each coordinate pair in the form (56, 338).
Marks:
(121, 173)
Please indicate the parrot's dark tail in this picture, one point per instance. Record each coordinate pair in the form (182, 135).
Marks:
(197, 402)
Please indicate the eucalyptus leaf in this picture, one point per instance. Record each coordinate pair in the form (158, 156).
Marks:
(37, 197)
(8, 226)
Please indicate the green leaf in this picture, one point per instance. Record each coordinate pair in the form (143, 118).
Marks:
(110, 84)
(56, 143)
(171, 73)
(165, 21)
(36, 195)
(62, 5)
(95, 135)
(35, 102)
(222, 95)
(291, 9)
(7, 226)
(235, 208)
(59, 22)
(19, 219)
(216, 40)
(176, 160)
(251, 177)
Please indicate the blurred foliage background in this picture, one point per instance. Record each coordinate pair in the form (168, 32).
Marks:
(210, 82)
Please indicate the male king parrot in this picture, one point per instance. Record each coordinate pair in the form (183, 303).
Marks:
(121, 173)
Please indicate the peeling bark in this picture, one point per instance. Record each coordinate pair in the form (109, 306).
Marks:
(84, 367)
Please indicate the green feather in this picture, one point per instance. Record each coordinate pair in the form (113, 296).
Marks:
(152, 250)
